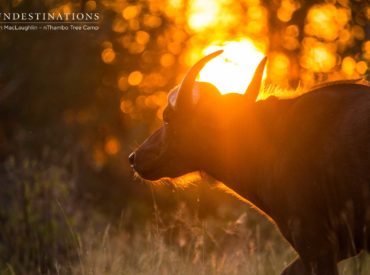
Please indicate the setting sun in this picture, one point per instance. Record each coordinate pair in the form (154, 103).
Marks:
(234, 68)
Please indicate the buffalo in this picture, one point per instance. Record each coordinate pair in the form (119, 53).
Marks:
(303, 161)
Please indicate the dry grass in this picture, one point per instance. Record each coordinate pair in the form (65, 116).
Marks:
(43, 232)
(185, 246)
(189, 246)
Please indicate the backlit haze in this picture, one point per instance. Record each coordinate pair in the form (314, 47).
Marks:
(233, 70)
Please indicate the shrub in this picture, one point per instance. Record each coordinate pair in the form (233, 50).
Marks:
(35, 217)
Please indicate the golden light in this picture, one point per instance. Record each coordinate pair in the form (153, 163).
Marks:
(108, 55)
(233, 70)
(348, 65)
(324, 60)
(279, 68)
(112, 146)
(202, 13)
(152, 21)
(126, 106)
(64, 8)
(130, 12)
(318, 56)
(167, 60)
(142, 37)
(286, 10)
(361, 67)
(90, 5)
(135, 78)
(326, 21)
(366, 50)
(99, 157)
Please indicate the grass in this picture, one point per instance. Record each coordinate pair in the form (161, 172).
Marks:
(34, 233)
(189, 246)
(44, 231)
(186, 245)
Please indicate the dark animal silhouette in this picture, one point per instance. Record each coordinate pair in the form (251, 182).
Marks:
(305, 161)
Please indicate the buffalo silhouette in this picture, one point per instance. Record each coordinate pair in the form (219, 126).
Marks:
(304, 161)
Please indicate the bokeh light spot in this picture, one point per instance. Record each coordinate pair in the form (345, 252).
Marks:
(167, 60)
(255, 12)
(90, 5)
(126, 106)
(135, 78)
(348, 65)
(108, 55)
(202, 14)
(130, 12)
(284, 15)
(292, 30)
(152, 21)
(119, 25)
(142, 37)
(286, 10)
(361, 67)
(99, 157)
(318, 56)
(367, 13)
(325, 21)
(279, 66)
(134, 24)
(112, 146)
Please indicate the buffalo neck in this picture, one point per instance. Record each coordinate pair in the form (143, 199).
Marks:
(245, 159)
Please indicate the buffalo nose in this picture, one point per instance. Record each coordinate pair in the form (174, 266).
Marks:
(131, 158)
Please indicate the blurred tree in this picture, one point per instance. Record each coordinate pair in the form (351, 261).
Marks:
(92, 96)
(97, 94)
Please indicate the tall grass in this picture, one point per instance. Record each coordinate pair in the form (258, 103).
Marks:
(34, 231)
(44, 231)
(185, 245)
(188, 246)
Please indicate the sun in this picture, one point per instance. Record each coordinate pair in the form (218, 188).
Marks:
(232, 71)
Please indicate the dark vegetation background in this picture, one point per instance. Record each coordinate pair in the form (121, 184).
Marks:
(73, 105)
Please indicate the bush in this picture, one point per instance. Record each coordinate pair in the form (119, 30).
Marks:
(36, 217)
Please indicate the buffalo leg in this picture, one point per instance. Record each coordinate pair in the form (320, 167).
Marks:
(321, 267)
(295, 268)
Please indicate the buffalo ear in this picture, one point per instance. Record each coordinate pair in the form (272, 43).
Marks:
(254, 87)
(184, 98)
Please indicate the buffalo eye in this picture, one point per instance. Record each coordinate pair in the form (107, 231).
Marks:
(167, 115)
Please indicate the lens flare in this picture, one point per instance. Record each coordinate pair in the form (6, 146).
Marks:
(232, 71)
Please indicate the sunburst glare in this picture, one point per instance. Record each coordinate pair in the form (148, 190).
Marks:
(233, 70)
